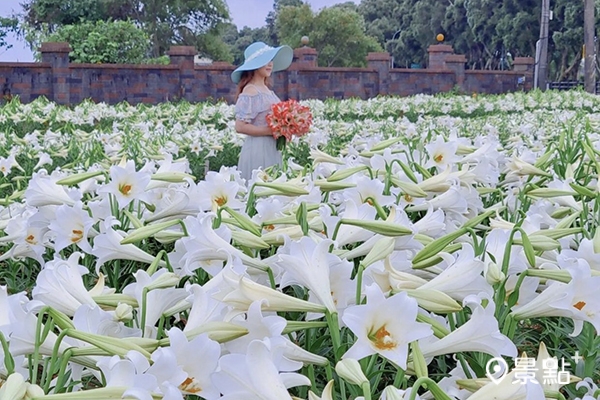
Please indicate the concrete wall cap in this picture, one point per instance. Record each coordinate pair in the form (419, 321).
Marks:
(55, 47)
(182, 51)
(378, 56)
(523, 60)
(440, 48)
(456, 58)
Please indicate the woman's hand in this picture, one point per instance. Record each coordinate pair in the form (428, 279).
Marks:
(252, 130)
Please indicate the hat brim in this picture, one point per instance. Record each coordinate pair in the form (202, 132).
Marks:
(281, 56)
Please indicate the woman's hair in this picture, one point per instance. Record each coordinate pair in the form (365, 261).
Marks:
(245, 79)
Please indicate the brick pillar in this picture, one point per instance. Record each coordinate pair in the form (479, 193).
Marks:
(381, 63)
(57, 55)
(524, 65)
(183, 56)
(305, 57)
(438, 54)
(456, 63)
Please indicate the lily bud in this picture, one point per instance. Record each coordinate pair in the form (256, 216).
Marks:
(166, 280)
(345, 173)
(382, 248)
(124, 312)
(438, 245)
(147, 231)
(327, 186)
(172, 177)
(319, 156)
(385, 144)
(409, 188)
(549, 193)
(218, 331)
(419, 363)
(286, 189)
(15, 388)
(434, 301)
(596, 241)
(561, 212)
(540, 243)
(247, 239)
(349, 370)
(384, 228)
(493, 274)
(78, 178)
(244, 221)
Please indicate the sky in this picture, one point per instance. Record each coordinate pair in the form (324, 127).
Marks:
(250, 13)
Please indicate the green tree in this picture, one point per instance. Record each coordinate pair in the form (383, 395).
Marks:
(238, 41)
(337, 33)
(7, 25)
(271, 20)
(166, 22)
(484, 30)
(117, 42)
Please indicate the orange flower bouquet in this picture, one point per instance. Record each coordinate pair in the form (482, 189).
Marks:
(287, 119)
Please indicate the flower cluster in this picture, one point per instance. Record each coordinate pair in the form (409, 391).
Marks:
(394, 265)
(288, 119)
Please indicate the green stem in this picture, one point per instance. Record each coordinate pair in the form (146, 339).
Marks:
(9, 361)
(366, 390)
(334, 330)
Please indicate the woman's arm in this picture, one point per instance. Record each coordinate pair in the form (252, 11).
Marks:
(251, 130)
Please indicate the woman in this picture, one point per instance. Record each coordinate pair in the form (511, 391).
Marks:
(253, 104)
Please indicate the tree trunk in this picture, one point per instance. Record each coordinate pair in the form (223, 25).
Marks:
(543, 60)
(588, 38)
(574, 65)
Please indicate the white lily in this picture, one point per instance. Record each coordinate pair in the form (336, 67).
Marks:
(108, 247)
(481, 333)
(71, 226)
(42, 190)
(127, 184)
(254, 376)
(307, 263)
(462, 277)
(384, 326)
(59, 285)
(577, 300)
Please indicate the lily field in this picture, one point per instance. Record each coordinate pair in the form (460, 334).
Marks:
(431, 247)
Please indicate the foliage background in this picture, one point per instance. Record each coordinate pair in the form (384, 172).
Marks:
(489, 32)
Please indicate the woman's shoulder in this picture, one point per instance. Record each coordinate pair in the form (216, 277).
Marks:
(251, 90)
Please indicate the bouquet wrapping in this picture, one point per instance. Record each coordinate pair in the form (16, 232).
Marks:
(287, 119)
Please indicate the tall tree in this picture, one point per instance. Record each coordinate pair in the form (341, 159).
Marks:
(7, 25)
(238, 41)
(484, 30)
(337, 33)
(273, 38)
(166, 22)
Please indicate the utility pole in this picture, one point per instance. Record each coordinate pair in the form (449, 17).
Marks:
(543, 59)
(589, 34)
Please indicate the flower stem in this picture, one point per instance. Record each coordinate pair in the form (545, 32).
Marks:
(334, 330)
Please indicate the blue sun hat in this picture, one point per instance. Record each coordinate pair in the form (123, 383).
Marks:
(258, 54)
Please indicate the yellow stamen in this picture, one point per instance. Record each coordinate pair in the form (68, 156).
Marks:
(382, 339)
(125, 189)
(438, 158)
(579, 305)
(77, 236)
(190, 386)
(221, 201)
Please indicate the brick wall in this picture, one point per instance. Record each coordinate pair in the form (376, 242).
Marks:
(67, 83)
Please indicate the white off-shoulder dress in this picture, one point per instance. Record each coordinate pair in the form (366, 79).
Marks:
(257, 151)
